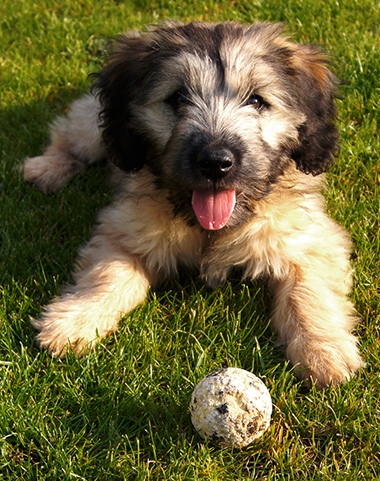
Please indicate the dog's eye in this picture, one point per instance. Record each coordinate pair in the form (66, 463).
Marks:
(178, 99)
(255, 101)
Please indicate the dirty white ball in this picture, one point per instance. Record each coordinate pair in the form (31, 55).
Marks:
(231, 407)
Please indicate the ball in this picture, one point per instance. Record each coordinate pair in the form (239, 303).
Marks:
(231, 407)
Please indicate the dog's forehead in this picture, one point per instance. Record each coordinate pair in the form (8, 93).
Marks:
(206, 59)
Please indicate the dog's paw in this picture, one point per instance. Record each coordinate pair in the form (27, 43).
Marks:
(51, 171)
(323, 363)
(58, 340)
(70, 325)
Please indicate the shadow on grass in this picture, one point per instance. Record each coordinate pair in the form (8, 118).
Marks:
(41, 233)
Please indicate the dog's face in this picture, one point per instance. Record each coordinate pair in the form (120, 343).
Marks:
(217, 112)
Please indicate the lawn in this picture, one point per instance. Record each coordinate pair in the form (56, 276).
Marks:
(121, 412)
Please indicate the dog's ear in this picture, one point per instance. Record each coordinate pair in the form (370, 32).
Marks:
(318, 135)
(116, 86)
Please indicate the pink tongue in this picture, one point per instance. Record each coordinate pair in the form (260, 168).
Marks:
(213, 208)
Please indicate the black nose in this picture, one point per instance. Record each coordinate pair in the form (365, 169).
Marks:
(215, 164)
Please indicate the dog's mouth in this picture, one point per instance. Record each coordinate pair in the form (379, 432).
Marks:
(213, 207)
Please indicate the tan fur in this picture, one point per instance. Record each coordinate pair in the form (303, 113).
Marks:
(75, 142)
(139, 241)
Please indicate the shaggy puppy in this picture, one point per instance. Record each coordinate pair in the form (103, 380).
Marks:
(221, 133)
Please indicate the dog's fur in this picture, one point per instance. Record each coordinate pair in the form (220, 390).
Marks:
(194, 116)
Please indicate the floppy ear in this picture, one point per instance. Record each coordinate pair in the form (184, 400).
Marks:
(116, 86)
(318, 135)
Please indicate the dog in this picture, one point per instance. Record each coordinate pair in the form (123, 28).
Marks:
(220, 135)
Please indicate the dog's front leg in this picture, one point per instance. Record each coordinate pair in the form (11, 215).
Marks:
(108, 284)
(314, 319)
(75, 143)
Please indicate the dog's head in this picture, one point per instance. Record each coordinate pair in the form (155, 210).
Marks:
(217, 112)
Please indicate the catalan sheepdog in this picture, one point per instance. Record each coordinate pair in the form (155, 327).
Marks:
(220, 134)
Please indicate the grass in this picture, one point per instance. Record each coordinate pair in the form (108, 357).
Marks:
(122, 411)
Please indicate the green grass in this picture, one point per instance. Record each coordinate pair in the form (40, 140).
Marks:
(122, 411)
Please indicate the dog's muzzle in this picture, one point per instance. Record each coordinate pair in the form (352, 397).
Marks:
(213, 207)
